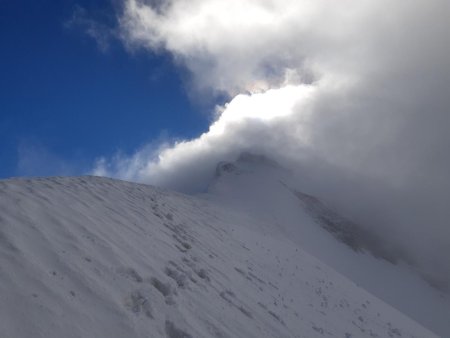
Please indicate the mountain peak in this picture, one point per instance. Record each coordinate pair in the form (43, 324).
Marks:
(246, 163)
(226, 167)
(257, 159)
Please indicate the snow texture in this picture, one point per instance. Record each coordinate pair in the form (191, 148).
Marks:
(96, 257)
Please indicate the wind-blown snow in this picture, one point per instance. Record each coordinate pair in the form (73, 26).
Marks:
(96, 257)
(260, 187)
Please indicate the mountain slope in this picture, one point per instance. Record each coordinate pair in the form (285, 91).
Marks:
(258, 186)
(96, 257)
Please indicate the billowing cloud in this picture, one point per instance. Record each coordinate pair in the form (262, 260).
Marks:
(357, 90)
(233, 46)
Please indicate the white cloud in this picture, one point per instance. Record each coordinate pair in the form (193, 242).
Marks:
(357, 86)
(233, 46)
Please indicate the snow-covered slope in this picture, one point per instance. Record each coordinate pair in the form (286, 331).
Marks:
(96, 257)
(260, 187)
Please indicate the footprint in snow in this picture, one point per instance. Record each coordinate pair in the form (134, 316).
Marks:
(137, 303)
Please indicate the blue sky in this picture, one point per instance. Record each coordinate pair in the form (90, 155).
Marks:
(65, 101)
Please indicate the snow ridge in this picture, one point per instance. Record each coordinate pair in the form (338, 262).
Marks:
(96, 257)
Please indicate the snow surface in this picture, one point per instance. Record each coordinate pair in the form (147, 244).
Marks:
(258, 186)
(96, 257)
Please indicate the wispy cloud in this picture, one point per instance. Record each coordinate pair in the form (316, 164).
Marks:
(35, 159)
(101, 33)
